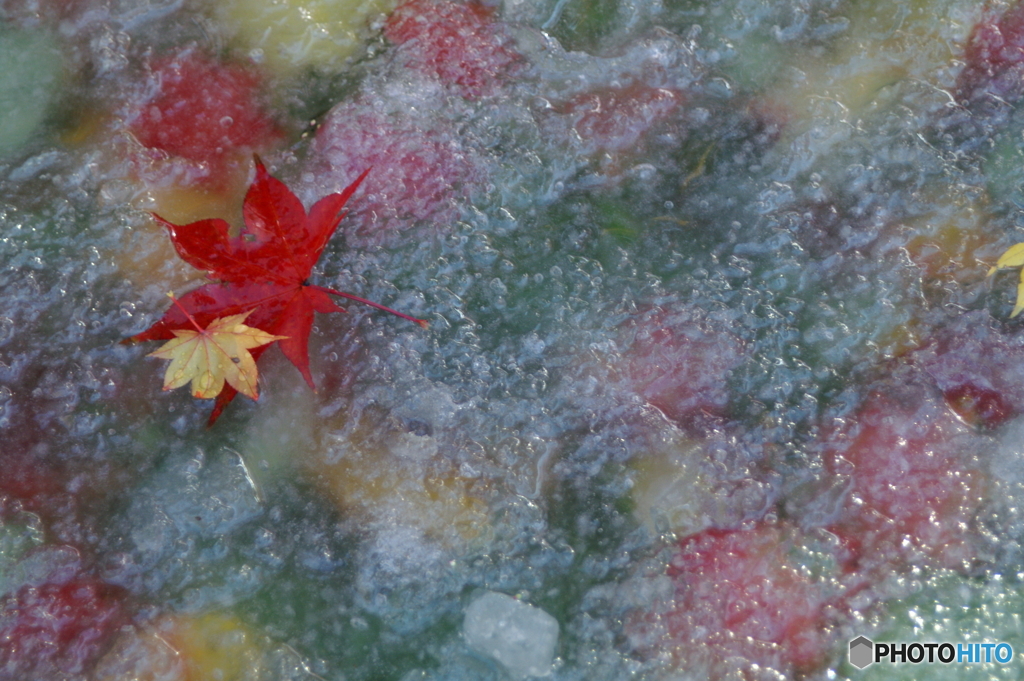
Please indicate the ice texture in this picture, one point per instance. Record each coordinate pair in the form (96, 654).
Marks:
(30, 64)
(177, 530)
(460, 44)
(522, 637)
(671, 255)
(946, 607)
(215, 647)
(419, 168)
(307, 34)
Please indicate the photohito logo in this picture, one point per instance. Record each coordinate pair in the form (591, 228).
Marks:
(864, 652)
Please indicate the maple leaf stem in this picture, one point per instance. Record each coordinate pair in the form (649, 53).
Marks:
(186, 313)
(385, 308)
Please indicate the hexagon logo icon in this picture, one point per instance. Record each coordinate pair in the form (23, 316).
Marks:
(862, 651)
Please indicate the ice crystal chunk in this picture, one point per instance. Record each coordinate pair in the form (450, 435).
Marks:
(519, 636)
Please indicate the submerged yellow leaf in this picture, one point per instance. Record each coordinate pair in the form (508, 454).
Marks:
(1020, 297)
(209, 357)
(1013, 257)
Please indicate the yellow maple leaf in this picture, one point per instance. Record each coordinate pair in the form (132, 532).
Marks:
(209, 357)
(1013, 257)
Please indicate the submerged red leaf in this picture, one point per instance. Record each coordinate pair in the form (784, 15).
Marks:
(264, 269)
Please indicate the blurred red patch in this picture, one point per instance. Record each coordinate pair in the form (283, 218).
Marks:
(203, 110)
(746, 601)
(683, 369)
(617, 119)
(53, 630)
(420, 169)
(459, 44)
(994, 57)
(978, 405)
(913, 488)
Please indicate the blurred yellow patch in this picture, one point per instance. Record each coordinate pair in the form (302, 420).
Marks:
(185, 648)
(290, 35)
(389, 473)
(215, 646)
(670, 494)
(369, 465)
(1013, 257)
(182, 202)
(882, 45)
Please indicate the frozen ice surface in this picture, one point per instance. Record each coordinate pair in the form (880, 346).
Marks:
(176, 649)
(207, 496)
(421, 165)
(179, 530)
(824, 220)
(520, 636)
(29, 63)
(34, 567)
(947, 607)
(1003, 515)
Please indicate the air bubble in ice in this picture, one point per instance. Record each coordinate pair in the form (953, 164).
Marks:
(520, 636)
(414, 447)
(430, 405)
(34, 166)
(644, 171)
(533, 345)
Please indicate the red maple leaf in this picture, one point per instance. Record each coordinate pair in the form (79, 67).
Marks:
(264, 269)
